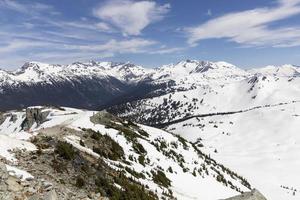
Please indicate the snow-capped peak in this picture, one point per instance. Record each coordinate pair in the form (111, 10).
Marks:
(33, 72)
(283, 70)
(197, 70)
(196, 66)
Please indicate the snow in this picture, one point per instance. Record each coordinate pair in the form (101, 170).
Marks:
(213, 97)
(262, 145)
(7, 144)
(74, 140)
(36, 72)
(284, 70)
(77, 119)
(21, 174)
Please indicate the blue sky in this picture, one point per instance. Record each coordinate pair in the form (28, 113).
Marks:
(248, 33)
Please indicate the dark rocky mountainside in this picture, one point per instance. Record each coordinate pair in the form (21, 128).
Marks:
(89, 93)
(91, 85)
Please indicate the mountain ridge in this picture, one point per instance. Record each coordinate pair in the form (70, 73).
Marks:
(96, 85)
(152, 159)
(203, 102)
(200, 66)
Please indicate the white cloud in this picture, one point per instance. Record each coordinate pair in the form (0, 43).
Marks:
(18, 44)
(37, 35)
(250, 27)
(166, 50)
(32, 8)
(12, 5)
(136, 45)
(47, 51)
(104, 27)
(131, 16)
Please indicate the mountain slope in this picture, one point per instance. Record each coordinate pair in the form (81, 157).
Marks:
(159, 160)
(83, 85)
(245, 119)
(211, 96)
(248, 121)
(97, 85)
(262, 144)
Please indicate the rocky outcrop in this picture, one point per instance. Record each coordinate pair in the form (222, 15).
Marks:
(34, 115)
(12, 187)
(252, 195)
(2, 118)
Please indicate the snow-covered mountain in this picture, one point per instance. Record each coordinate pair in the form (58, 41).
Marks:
(284, 70)
(85, 85)
(221, 87)
(155, 160)
(262, 144)
(246, 119)
(35, 72)
(102, 84)
(194, 72)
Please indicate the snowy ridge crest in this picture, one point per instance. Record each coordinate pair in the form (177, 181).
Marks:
(33, 72)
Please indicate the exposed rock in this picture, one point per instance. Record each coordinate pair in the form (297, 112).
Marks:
(11, 187)
(13, 118)
(13, 184)
(2, 118)
(34, 115)
(47, 186)
(51, 195)
(3, 178)
(252, 195)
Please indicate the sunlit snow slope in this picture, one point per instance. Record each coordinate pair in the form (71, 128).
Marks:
(192, 174)
(262, 144)
(248, 120)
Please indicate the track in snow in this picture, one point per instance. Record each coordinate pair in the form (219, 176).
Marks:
(162, 125)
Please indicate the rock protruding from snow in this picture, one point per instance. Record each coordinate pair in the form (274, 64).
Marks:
(34, 115)
(252, 195)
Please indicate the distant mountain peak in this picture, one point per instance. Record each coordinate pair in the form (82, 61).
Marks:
(281, 70)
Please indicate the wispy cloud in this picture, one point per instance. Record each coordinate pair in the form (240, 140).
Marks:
(251, 27)
(61, 51)
(19, 44)
(135, 45)
(131, 16)
(166, 50)
(27, 8)
(37, 33)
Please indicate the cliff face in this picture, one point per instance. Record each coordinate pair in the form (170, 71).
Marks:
(252, 195)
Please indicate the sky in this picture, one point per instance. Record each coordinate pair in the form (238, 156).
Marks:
(248, 33)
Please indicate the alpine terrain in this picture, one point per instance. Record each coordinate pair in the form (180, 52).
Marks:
(77, 154)
(190, 130)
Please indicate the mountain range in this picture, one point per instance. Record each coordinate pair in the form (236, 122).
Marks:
(96, 85)
(222, 128)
